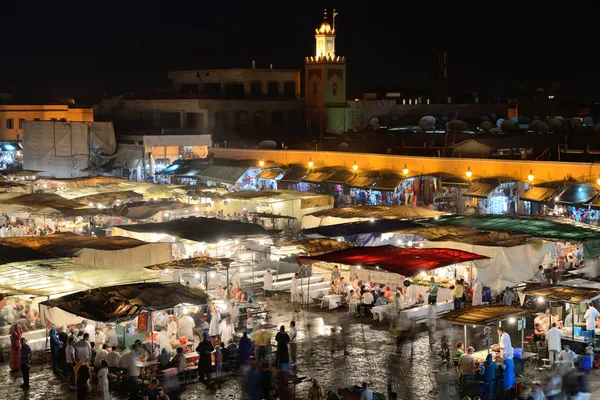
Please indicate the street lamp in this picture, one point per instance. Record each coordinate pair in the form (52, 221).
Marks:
(355, 167)
(469, 173)
(531, 177)
(261, 163)
(405, 170)
(310, 163)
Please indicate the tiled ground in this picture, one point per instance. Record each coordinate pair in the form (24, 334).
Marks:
(371, 358)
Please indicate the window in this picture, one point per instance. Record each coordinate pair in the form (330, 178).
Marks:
(9, 123)
(277, 118)
(315, 89)
(21, 120)
(289, 89)
(63, 120)
(335, 89)
(256, 89)
(273, 89)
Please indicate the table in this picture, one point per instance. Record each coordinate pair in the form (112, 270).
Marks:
(416, 313)
(147, 363)
(331, 300)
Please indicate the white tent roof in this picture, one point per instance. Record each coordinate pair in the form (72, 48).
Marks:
(62, 275)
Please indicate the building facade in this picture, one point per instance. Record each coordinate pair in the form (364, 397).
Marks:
(12, 117)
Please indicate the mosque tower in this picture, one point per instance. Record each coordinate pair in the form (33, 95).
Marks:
(325, 82)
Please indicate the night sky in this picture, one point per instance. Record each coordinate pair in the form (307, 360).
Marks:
(87, 49)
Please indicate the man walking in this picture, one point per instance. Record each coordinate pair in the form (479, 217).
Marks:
(25, 360)
(293, 343)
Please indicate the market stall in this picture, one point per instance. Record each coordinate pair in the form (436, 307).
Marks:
(140, 310)
(370, 264)
(568, 305)
(486, 316)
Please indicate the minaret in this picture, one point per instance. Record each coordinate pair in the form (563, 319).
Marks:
(325, 80)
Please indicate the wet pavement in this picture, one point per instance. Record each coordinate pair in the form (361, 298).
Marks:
(371, 358)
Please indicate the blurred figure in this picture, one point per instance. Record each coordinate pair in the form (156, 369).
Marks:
(431, 325)
(282, 339)
(316, 391)
(204, 350)
(489, 369)
(25, 359)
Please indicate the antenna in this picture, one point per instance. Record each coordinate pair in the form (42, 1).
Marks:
(325, 12)
(334, 14)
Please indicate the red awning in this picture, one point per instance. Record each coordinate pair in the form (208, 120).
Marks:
(407, 262)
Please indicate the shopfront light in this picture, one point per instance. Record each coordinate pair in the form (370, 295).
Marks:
(261, 163)
(311, 163)
(512, 320)
(196, 275)
(405, 170)
(598, 181)
(469, 173)
(530, 177)
(242, 269)
(355, 167)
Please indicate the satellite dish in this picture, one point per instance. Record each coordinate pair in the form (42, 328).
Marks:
(588, 121)
(427, 123)
(577, 124)
(374, 121)
(559, 117)
(406, 283)
(514, 120)
(344, 147)
(485, 126)
(268, 144)
(499, 122)
(555, 125)
(507, 126)
(535, 125)
(543, 128)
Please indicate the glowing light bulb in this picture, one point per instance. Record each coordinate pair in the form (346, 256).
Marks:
(196, 275)
(310, 163)
(242, 269)
(530, 177)
(405, 170)
(469, 173)
(261, 163)
(355, 167)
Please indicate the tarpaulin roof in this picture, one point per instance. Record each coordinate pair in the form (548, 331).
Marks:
(404, 261)
(317, 177)
(200, 229)
(539, 194)
(387, 183)
(221, 173)
(361, 181)
(563, 293)
(469, 235)
(147, 209)
(453, 181)
(271, 215)
(379, 212)
(61, 275)
(191, 263)
(576, 194)
(108, 197)
(66, 244)
(340, 176)
(483, 315)
(481, 190)
(294, 175)
(123, 302)
(270, 173)
(315, 247)
(536, 227)
(42, 200)
(357, 228)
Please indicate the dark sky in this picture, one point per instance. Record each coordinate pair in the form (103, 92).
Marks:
(86, 49)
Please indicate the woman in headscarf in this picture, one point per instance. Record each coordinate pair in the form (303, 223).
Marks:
(488, 370)
(55, 345)
(16, 332)
(282, 339)
(509, 375)
(215, 318)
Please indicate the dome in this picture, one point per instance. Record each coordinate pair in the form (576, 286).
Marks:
(325, 28)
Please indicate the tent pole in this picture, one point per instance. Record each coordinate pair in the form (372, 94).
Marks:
(522, 332)
(308, 296)
(573, 320)
(465, 337)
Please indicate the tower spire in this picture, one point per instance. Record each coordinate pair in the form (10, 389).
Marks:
(334, 14)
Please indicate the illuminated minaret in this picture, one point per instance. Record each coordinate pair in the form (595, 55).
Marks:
(325, 80)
